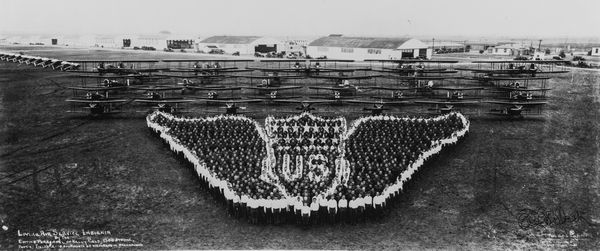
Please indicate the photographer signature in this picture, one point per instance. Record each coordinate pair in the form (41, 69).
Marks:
(531, 218)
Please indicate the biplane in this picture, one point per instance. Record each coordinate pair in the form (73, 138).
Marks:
(207, 65)
(156, 96)
(269, 80)
(308, 68)
(119, 67)
(516, 68)
(397, 93)
(522, 94)
(231, 107)
(458, 93)
(215, 92)
(304, 105)
(96, 100)
(119, 80)
(272, 93)
(377, 107)
(446, 106)
(337, 93)
(515, 109)
(414, 67)
(99, 106)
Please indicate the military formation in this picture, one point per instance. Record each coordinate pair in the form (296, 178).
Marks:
(263, 176)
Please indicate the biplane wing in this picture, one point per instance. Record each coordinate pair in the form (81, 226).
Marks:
(274, 88)
(530, 103)
(163, 101)
(191, 76)
(95, 88)
(433, 102)
(390, 88)
(156, 88)
(458, 88)
(524, 89)
(332, 88)
(346, 77)
(294, 101)
(96, 101)
(213, 88)
(227, 101)
(266, 76)
(377, 102)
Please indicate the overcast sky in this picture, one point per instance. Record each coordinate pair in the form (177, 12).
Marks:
(564, 18)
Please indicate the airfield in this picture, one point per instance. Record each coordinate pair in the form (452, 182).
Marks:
(65, 171)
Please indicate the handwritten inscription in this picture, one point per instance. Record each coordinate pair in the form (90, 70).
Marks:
(64, 239)
(556, 217)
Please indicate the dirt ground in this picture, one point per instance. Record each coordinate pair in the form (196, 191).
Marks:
(527, 184)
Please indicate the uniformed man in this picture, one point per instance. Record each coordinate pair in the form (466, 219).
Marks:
(342, 209)
(298, 210)
(236, 205)
(314, 211)
(360, 211)
(353, 207)
(290, 213)
(378, 203)
(270, 210)
(244, 207)
(322, 209)
(331, 209)
(368, 206)
(305, 214)
(253, 204)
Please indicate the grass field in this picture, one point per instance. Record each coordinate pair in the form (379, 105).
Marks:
(113, 174)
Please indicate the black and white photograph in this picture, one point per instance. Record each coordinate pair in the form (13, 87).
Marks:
(299, 125)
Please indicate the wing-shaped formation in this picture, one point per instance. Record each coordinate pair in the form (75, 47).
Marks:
(295, 160)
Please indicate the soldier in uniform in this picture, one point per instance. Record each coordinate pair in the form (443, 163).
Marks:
(342, 209)
(322, 209)
(353, 207)
(314, 211)
(368, 206)
(331, 209)
(298, 210)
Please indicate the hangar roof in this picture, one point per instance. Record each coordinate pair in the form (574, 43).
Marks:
(230, 39)
(361, 42)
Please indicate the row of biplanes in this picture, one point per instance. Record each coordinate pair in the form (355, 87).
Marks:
(36, 61)
(510, 88)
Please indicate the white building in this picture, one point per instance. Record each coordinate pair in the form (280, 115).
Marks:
(360, 48)
(510, 50)
(243, 44)
(595, 51)
(158, 41)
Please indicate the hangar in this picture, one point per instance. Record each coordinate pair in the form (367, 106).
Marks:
(360, 48)
(242, 44)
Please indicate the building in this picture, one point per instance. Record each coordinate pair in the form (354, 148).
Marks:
(243, 44)
(478, 47)
(595, 51)
(158, 41)
(510, 50)
(361, 48)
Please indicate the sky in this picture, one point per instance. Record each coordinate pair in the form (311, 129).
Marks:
(522, 18)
